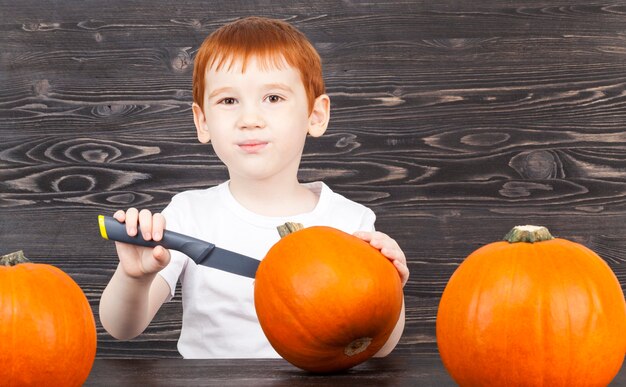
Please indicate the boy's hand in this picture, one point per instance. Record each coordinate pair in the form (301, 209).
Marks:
(389, 248)
(137, 261)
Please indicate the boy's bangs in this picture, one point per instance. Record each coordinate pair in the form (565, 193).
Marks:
(266, 59)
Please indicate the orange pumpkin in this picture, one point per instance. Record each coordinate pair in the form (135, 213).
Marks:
(532, 310)
(47, 329)
(326, 300)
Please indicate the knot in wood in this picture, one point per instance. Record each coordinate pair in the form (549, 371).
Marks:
(41, 87)
(110, 110)
(539, 164)
(182, 61)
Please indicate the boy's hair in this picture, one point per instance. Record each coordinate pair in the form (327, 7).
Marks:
(271, 41)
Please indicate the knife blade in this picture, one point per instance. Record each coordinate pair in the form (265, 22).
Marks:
(201, 252)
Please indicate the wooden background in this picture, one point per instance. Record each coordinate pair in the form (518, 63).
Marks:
(452, 120)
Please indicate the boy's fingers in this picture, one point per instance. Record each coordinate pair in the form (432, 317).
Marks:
(145, 223)
(381, 240)
(366, 236)
(394, 254)
(120, 215)
(381, 235)
(131, 221)
(371, 235)
(403, 270)
(158, 225)
(161, 255)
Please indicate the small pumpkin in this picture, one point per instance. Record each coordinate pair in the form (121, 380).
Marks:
(47, 328)
(532, 310)
(326, 300)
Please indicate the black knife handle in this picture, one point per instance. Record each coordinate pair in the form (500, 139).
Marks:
(113, 230)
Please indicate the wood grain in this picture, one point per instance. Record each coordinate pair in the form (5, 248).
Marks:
(394, 370)
(453, 121)
(416, 369)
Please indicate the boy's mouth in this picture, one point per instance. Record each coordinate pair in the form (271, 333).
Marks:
(252, 146)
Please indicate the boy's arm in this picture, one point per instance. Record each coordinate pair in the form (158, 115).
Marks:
(128, 304)
(395, 336)
(390, 249)
(136, 292)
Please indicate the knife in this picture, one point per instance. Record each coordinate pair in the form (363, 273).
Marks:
(201, 252)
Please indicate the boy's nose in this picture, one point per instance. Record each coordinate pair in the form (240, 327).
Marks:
(250, 119)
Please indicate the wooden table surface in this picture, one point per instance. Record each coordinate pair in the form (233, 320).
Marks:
(394, 370)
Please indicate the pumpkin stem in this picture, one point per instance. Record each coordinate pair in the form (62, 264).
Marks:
(289, 228)
(529, 234)
(13, 259)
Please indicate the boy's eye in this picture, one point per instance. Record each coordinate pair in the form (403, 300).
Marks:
(274, 98)
(228, 101)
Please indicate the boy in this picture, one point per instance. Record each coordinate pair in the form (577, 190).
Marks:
(258, 91)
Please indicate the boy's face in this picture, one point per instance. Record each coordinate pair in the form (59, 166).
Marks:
(258, 120)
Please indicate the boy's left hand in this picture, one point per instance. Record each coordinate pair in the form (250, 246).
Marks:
(389, 248)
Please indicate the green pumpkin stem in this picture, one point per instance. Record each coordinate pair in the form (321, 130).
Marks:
(528, 234)
(13, 259)
(289, 228)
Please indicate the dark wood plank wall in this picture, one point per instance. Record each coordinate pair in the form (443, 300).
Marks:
(452, 120)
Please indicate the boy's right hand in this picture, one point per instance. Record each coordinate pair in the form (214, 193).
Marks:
(139, 262)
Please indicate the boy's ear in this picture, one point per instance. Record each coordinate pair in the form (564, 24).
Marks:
(320, 115)
(201, 126)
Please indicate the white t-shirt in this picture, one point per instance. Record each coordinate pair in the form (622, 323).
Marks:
(219, 319)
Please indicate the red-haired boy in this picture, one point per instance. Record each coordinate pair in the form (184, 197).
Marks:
(258, 92)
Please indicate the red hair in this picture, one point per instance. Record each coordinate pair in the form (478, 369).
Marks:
(272, 41)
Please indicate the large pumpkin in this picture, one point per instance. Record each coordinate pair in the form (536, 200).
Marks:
(532, 310)
(47, 329)
(326, 300)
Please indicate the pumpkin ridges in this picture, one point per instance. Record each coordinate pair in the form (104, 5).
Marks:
(607, 302)
(325, 351)
(42, 324)
(470, 329)
(278, 287)
(7, 287)
(57, 280)
(548, 268)
(510, 278)
(454, 298)
(542, 286)
(539, 343)
(556, 307)
(23, 323)
(52, 347)
(484, 298)
(573, 268)
(327, 267)
(480, 304)
(579, 271)
(273, 296)
(306, 321)
(518, 316)
(14, 288)
(449, 356)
